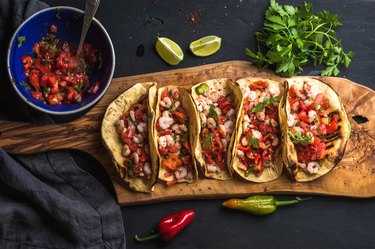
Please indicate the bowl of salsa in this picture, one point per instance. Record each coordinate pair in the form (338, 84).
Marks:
(45, 68)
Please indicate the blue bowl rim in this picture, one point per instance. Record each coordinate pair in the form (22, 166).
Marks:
(84, 107)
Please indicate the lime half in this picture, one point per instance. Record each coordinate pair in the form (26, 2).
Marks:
(169, 51)
(205, 46)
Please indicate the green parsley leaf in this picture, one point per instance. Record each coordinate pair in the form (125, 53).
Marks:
(20, 39)
(253, 142)
(208, 140)
(213, 114)
(294, 37)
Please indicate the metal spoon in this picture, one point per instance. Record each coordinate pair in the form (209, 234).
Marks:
(90, 10)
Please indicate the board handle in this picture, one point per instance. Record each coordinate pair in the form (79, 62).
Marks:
(27, 138)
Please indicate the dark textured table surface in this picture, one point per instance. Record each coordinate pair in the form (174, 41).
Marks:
(323, 221)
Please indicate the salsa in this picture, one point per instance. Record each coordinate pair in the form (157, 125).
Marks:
(173, 143)
(54, 74)
(310, 126)
(260, 137)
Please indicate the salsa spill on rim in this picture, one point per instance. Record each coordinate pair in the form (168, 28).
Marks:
(54, 74)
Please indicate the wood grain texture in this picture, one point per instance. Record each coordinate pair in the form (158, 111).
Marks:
(354, 176)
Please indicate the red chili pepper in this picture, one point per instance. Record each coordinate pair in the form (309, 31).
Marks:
(170, 226)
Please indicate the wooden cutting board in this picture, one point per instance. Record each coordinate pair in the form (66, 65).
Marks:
(354, 176)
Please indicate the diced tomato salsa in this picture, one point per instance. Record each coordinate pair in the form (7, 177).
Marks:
(54, 73)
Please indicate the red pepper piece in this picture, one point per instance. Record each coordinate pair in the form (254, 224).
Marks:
(170, 226)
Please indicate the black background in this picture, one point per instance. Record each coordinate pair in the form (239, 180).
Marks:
(323, 221)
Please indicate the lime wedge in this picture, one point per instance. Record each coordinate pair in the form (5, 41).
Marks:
(205, 46)
(169, 51)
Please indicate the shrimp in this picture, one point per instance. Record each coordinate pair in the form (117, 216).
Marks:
(230, 112)
(312, 115)
(132, 115)
(242, 166)
(165, 122)
(245, 127)
(295, 106)
(175, 93)
(147, 168)
(126, 150)
(170, 140)
(274, 90)
(211, 123)
(176, 128)
(166, 102)
(252, 95)
(260, 116)
(211, 168)
(142, 127)
(257, 134)
(223, 129)
(144, 117)
(274, 123)
(214, 96)
(290, 120)
(275, 141)
(313, 167)
(229, 126)
(136, 140)
(218, 111)
(181, 173)
(224, 142)
(240, 154)
(135, 158)
(203, 119)
(244, 141)
(163, 141)
(120, 125)
(176, 105)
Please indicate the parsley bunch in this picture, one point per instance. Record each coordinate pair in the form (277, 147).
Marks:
(295, 36)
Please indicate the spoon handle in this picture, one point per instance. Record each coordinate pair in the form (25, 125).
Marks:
(90, 10)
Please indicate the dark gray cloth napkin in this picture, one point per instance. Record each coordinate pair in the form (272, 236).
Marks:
(46, 200)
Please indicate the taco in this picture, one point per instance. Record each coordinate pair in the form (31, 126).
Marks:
(316, 127)
(125, 134)
(217, 102)
(256, 152)
(175, 135)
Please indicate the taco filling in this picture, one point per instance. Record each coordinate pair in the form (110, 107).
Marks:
(172, 127)
(133, 130)
(217, 115)
(260, 137)
(310, 125)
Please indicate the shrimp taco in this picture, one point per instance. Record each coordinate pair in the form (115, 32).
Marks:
(316, 127)
(217, 102)
(256, 153)
(175, 135)
(125, 134)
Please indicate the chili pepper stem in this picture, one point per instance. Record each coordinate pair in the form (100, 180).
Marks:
(286, 203)
(150, 237)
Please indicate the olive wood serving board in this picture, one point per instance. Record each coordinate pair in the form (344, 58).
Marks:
(354, 176)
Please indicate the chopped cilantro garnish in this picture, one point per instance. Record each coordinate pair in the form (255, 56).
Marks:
(184, 137)
(213, 114)
(253, 142)
(208, 140)
(266, 101)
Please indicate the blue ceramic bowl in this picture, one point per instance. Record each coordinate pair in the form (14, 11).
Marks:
(69, 24)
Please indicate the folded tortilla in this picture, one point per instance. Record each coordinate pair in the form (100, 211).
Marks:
(111, 138)
(335, 146)
(229, 88)
(273, 170)
(187, 103)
